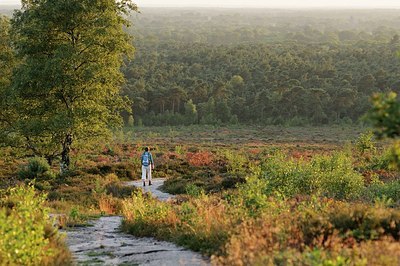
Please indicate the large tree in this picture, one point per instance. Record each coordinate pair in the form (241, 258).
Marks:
(67, 88)
(7, 64)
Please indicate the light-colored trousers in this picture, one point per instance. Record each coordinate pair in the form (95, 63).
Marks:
(146, 172)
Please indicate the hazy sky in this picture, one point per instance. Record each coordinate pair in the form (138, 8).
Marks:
(261, 3)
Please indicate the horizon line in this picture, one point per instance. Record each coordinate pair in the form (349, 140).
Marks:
(353, 7)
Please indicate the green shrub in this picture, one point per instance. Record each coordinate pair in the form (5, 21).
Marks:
(357, 221)
(337, 176)
(286, 177)
(142, 212)
(253, 197)
(179, 150)
(381, 161)
(122, 170)
(23, 221)
(232, 181)
(194, 191)
(386, 191)
(118, 190)
(331, 176)
(365, 143)
(36, 167)
(236, 162)
(395, 156)
(76, 218)
(175, 185)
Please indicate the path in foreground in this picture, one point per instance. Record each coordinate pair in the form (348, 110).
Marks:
(104, 243)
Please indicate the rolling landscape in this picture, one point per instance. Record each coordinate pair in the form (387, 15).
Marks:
(274, 134)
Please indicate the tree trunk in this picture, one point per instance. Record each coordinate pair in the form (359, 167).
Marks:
(49, 160)
(65, 160)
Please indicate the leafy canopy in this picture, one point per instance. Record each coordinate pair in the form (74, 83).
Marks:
(385, 115)
(67, 86)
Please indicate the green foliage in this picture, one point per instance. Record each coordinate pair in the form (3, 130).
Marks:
(320, 257)
(75, 217)
(22, 227)
(385, 115)
(194, 191)
(7, 63)
(395, 155)
(359, 221)
(67, 87)
(382, 160)
(337, 176)
(190, 113)
(7, 59)
(131, 121)
(179, 150)
(389, 191)
(141, 211)
(365, 143)
(37, 167)
(236, 162)
(252, 197)
(330, 176)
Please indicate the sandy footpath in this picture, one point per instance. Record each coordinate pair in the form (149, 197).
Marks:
(104, 244)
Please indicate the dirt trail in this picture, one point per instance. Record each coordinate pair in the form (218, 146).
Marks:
(104, 244)
(154, 188)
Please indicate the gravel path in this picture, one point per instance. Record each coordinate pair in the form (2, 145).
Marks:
(154, 188)
(104, 243)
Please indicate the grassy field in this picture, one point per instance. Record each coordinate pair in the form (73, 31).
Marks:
(248, 195)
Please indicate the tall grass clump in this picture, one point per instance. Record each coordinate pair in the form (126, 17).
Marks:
(27, 237)
(145, 215)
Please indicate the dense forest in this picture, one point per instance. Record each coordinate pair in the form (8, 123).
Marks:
(260, 66)
(286, 67)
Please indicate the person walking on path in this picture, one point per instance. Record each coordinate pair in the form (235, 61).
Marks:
(147, 165)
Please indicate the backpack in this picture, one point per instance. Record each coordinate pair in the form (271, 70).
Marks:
(145, 159)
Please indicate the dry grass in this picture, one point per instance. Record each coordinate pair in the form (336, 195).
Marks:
(202, 158)
(109, 205)
(200, 224)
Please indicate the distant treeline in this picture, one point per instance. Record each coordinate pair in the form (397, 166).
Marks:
(266, 67)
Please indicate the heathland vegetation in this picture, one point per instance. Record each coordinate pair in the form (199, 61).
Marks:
(251, 188)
